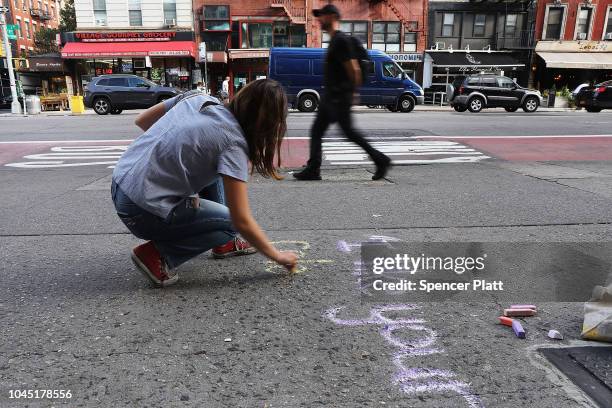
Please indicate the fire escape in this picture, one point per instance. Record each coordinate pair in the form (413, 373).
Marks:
(295, 12)
(403, 14)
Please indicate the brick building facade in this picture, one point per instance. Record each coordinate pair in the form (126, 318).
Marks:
(239, 33)
(574, 42)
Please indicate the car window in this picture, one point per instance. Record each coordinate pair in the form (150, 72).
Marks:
(504, 82)
(102, 82)
(473, 81)
(391, 70)
(117, 82)
(488, 81)
(135, 82)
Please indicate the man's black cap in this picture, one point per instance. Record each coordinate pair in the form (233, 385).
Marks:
(325, 10)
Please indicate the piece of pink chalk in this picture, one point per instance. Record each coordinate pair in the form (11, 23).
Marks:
(523, 307)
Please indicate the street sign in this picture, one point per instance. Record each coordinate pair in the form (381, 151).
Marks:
(10, 31)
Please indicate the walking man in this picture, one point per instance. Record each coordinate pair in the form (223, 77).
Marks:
(341, 82)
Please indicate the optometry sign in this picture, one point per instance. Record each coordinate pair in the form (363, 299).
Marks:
(408, 57)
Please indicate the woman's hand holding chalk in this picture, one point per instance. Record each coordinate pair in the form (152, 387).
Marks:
(288, 260)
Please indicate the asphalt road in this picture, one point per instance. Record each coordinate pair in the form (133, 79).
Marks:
(77, 316)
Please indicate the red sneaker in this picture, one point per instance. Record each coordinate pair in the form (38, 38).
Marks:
(235, 247)
(149, 261)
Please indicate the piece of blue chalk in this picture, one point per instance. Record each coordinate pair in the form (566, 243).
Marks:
(518, 329)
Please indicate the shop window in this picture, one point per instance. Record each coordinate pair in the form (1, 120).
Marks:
(448, 25)
(410, 42)
(135, 12)
(256, 35)
(99, 7)
(510, 27)
(608, 30)
(102, 82)
(216, 18)
(554, 23)
(479, 25)
(583, 23)
(297, 36)
(281, 35)
(169, 12)
(386, 36)
(357, 29)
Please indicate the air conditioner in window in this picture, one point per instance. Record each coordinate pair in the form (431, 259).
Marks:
(170, 22)
(100, 22)
(608, 36)
(440, 46)
(582, 36)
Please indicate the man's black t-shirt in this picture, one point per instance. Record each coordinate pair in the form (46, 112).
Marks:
(337, 81)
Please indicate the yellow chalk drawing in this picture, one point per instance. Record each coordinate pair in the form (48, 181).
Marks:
(301, 248)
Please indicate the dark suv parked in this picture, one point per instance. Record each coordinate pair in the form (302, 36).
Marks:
(595, 98)
(114, 93)
(476, 92)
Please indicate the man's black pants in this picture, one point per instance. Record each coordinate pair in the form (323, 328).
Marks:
(331, 110)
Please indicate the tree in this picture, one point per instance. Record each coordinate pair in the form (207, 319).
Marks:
(45, 40)
(68, 17)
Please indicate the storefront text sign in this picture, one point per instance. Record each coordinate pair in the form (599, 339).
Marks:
(574, 46)
(127, 36)
(412, 57)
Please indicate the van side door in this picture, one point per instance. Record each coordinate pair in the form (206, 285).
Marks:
(369, 90)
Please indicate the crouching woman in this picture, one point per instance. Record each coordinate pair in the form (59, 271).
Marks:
(182, 185)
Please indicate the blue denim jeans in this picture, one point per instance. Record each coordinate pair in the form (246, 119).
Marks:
(188, 231)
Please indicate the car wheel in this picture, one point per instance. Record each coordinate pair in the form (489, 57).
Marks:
(459, 108)
(307, 103)
(406, 103)
(116, 111)
(511, 108)
(530, 104)
(101, 106)
(475, 104)
(392, 108)
(593, 110)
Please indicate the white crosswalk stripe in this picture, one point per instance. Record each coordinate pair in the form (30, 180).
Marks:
(403, 152)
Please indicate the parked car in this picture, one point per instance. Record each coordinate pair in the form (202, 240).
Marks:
(300, 72)
(595, 98)
(476, 92)
(115, 93)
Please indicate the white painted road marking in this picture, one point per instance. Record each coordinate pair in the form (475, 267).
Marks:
(403, 152)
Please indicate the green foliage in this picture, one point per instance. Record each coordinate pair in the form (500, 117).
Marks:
(45, 40)
(67, 17)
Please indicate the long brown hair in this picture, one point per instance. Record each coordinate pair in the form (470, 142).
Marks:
(261, 110)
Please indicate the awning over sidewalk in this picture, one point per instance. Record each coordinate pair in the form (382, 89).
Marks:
(248, 53)
(462, 59)
(129, 49)
(581, 60)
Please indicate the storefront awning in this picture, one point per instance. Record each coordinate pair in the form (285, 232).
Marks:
(129, 49)
(476, 60)
(580, 60)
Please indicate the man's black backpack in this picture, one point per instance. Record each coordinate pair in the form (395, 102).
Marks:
(361, 55)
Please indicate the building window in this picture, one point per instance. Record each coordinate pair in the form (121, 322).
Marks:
(17, 4)
(99, 7)
(510, 28)
(554, 23)
(608, 29)
(46, 9)
(27, 30)
(479, 25)
(583, 23)
(357, 29)
(297, 36)
(386, 36)
(281, 35)
(256, 35)
(448, 25)
(31, 4)
(169, 11)
(135, 12)
(215, 41)
(21, 29)
(216, 18)
(410, 42)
